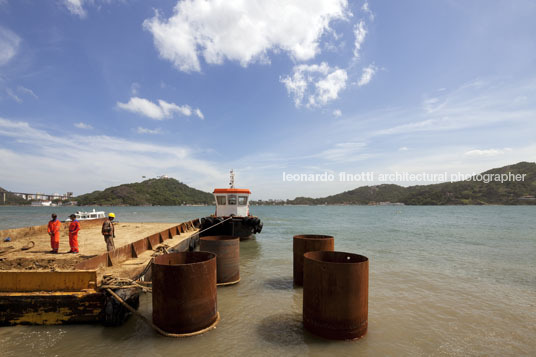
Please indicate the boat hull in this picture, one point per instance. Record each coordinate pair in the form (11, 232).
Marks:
(243, 227)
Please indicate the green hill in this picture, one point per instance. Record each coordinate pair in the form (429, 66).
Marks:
(11, 199)
(157, 192)
(448, 193)
(366, 194)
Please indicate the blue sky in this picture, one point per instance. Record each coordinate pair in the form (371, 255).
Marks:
(95, 93)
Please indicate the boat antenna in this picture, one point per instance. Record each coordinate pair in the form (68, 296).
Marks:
(231, 181)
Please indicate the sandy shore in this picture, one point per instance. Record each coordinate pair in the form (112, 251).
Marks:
(90, 241)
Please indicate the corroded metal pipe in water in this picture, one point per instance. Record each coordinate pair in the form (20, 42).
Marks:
(304, 243)
(184, 292)
(335, 294)
(227, 250)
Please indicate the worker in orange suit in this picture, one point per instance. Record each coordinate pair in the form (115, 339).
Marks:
(74, 228)
(54, 231)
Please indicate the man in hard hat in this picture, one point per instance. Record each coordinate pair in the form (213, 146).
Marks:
(108, 232)
(54, 226)
(74, 228)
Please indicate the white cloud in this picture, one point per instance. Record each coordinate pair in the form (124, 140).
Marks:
(403, 148)
(141, 130)
(159, 111)
(337, 113)
(75, 7)
(423, 125)
(366, 9)
(144, 107)
(45, 155)
(347, 152)
(431, 105)
(27, 91)
(487, 152)
(471, 105)
(199, 114)
(13, 96)
(79, 7)
(9, 45)
(242, 31)
(315, 85)
(135, 88)
(82, 125)
(453, 161)
(366, 76)
(360, 32)
(169, 108)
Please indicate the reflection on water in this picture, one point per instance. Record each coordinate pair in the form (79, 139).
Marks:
(279, 283)
(249, 250)
(284, 329)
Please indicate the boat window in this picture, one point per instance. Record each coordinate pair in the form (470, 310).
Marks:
(93, 216)
(221, 200)
(232, 199)
(242, 200)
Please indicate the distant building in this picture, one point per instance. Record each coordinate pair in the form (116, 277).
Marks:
(43, 197)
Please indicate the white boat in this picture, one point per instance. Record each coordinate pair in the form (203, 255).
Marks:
(86, 216)
(42, 204)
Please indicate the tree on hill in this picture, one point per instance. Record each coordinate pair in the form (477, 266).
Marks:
(160, 192)
(474, 191)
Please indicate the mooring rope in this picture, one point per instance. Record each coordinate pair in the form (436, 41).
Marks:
(206, 229)
(156, 328)
(163, 249)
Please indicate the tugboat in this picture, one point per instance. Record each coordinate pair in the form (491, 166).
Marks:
(232, 217)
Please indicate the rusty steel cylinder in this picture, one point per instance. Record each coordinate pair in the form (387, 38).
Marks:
(227, 250)
(184, 292)
(335, 294)
(304, 243)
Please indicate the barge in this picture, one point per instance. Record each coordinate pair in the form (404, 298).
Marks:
(79, 294)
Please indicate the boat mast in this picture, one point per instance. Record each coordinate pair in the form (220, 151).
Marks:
(231, 181)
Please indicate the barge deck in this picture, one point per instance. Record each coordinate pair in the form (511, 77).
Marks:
(75, 295)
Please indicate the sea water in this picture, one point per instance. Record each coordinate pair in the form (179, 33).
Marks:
(444, 281)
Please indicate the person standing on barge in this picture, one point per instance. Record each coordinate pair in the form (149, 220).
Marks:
(54, 226)
(74, 228)
(108, 232)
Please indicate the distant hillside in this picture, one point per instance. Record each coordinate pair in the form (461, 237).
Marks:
(157, 192)
(455, 193)
(11, 199)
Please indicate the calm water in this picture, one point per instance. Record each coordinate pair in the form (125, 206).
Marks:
(451, 281)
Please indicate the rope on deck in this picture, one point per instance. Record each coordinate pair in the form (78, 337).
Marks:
(113, 282)
(10, 249)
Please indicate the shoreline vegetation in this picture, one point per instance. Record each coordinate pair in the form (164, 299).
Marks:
(469, 192)
(171, 192)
